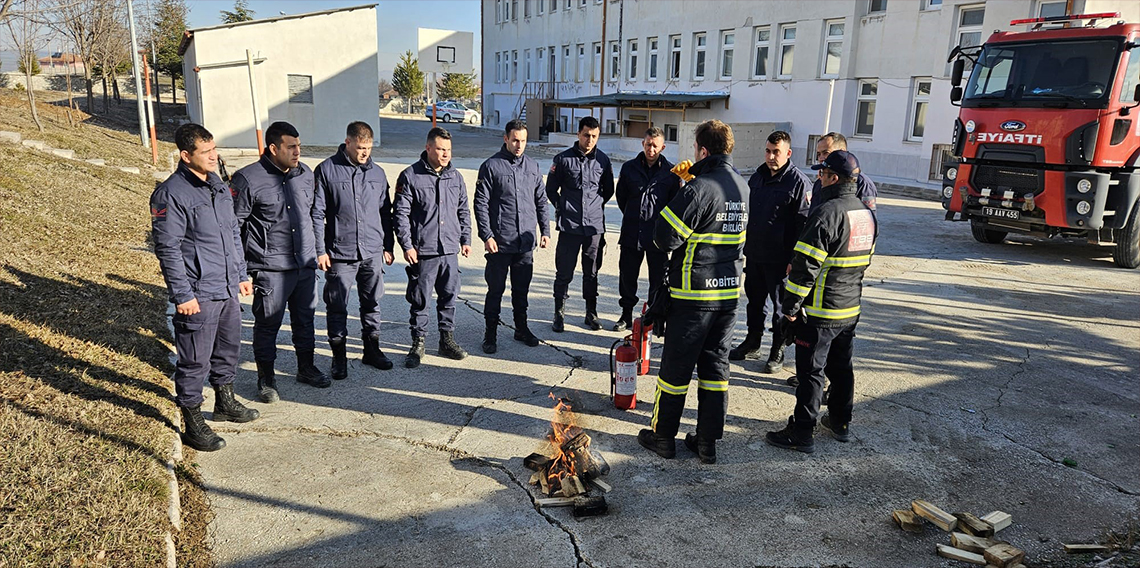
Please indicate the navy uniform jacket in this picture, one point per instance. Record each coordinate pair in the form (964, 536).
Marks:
(352, 213)
(579, 185)
(196, 237)
(510, 200)
(777, 211)
(865, 190)
(274, 210)
(642, 192)
(431, 209)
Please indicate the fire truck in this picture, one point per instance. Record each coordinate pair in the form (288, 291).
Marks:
(1047, 140)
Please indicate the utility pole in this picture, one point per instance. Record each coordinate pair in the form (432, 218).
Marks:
(154, 61)
(138, 78)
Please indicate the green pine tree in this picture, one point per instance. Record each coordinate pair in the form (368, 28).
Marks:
(407, 78)
(169, 27)
(458, 86)
(240, 13)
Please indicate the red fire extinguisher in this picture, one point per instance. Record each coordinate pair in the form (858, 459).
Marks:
(623, 373)
(642, 341)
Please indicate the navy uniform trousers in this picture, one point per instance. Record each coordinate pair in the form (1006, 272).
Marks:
(820, 351)
(368, 275)
(520, 266)
(273, 291)
(629, 273)
(763, 283)
(208, 345)
(439, 273)
(694, 338)
(566, 253)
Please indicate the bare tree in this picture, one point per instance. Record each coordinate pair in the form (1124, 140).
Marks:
(111, 51)
(7, 5)
(29, 35)
(86, 23)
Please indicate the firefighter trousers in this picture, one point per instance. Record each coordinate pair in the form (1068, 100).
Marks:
(694, 338)
(820, 351)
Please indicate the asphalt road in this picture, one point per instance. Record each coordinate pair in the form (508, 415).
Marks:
(981, 371)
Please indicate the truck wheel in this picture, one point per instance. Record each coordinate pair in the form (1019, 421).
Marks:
(984, 235)
(1127, 251)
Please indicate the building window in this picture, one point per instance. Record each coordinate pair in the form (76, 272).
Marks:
(675, 57)
(528, 65)
(539, 63)
(514, 65)
(632, 59)
(526, 8)
(596, 73)
(932, 5)
(540, 6)
(553, 6)
(920, 101)
(877, 6)
(865, 117)
(670, 132)
(581, 3)
(498, 11)
(832, 48)
(970, 27)
(700, 40)
(787, 51)
(651, 69)
(506, 67)
(514, 10)
(763, 38)
(566, 59)
(611, 126)
(615, 60)
(498, 67)
(1050, 9)
(568, 4)
(727, 48)
(300, 89)
(581, 77)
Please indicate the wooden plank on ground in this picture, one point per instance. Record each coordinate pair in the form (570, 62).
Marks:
(907, 520)
(1084, 548)
(605, 487)
(1003, 555)
(554, 502)
(971, 524)
(952, 553)
(940, 518)
(998, 520)
(975, 544)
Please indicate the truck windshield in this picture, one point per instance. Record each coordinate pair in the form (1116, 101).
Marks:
(1069, 73)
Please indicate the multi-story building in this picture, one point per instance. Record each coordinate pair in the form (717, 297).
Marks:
(874, 70)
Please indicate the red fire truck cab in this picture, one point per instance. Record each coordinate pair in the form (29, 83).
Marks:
(1048, 135)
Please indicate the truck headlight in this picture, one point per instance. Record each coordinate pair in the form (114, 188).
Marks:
(1083, 207)
(1084, 186)
(947, 192)
(952, 174)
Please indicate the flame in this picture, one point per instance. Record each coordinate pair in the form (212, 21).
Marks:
(564, 428)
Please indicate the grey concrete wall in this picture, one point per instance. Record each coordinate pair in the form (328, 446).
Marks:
(750, 138)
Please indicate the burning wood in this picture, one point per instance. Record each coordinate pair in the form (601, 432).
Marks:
(564, 476)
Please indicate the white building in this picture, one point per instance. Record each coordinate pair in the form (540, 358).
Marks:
(317, 71)
(881, 63)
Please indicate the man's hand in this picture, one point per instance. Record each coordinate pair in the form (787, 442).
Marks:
(190, 308)
(246, 288)
(543, 241)
(324, 262)
(410, 256)
(490, 245)
(389, 258)
(465, 250)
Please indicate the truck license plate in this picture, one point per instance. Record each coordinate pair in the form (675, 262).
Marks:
(1003, 213)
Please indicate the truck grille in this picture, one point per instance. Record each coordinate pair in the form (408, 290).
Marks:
(1020, 180)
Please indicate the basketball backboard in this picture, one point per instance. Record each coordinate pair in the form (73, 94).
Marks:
(446, 51)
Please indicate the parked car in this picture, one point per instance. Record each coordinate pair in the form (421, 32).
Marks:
(448, 111)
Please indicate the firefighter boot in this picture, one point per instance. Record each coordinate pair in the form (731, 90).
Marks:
(308, 373)
(625, 321)
(705, 449)
(198, 434)
(490, 338)
(559, 307)
(664, 447)
(373, 356)
(228, 409)
(416, 353)
(339, 370)
(840, 432)
(266, 382)
(591, 320)
(775, 362)
(449, 348)
(748, 349)
(522, 332)
(792, 438)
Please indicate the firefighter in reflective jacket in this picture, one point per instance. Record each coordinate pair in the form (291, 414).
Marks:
(704, 228)
(826, 281)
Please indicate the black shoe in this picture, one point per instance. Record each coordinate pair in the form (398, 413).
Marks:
(790, 439)
(339, 369)
(625, 321)
(558, 325)
(775, 362)
(664, 447)
(415, 354)
(198, 434)
(490, 339)
(308, 373)
(793, 381)
(748, 349)
(373, 356)
(591, 320)
(449, 348)
(523, 334)
(267, 382)
(841, 433)
(228, 409)
(705, 449)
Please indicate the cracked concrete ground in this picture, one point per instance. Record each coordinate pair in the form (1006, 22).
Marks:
(981, 370)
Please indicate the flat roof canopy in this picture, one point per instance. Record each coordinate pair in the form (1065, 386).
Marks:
(655, 100)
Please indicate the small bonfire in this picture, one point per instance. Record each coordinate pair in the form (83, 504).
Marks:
(568, 473)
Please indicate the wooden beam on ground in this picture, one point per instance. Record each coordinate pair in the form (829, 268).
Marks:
(998, 520)
(605, 487)
(940, 518)
(959, 554)
(555, 502)
(971, 524)
(1003, 555)
(1085, 548)
(975, 544)
(907, 520)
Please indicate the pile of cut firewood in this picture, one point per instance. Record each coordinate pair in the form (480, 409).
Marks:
(972, 538)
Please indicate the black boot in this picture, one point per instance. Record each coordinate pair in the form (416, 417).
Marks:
(449, 348)
(591, 320)
(748, 349)
(523, 334)
(198, 434)
(625, 321)
(775, 362)
(373, 356)
(705, 449)
(490, 339)
(415, 354)
(792, 438)
(339, 369)
(559, 307)
(227, 408)
(266, 382)
(664, 447)
(308, 373)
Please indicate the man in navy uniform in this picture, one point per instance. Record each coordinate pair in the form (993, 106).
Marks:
(273, 200)
(352, 221)
(510, 200)
(865, 189)
(433, 224)
(644, 186)
(198, 245)
(580, 183)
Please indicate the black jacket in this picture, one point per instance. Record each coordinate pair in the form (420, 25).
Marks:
(642, 192)
(708, 219)
(865, 190)
(273, 208)
(830, 258)
(432, 215)
(352, 212)
(579, 185)
(196, 237)
(777, 210)
(510, 201)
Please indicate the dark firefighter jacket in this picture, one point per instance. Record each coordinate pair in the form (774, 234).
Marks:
(778, 208)
(865, 190)
(579, 185)
(432, 215)
(274, 210)
(642, 192)
(510, 202)
(352, 210)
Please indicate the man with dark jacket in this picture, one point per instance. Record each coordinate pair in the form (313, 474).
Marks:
(433, 224)
(352, 221)
(707, 219)
(779, 198)
(510, 200)
(865, 189)
(273, 199)
(826, 280)
(580, 183)
(644, 186)
(198, 245)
